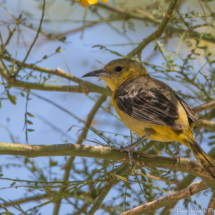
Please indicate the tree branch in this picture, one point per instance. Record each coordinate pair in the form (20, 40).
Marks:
(84, 86)
(143, 160)
(124, 170)
(203, 107)
(157, 33)
(174, 197)
(139, 16)
(81, 138)
(207, 124)
(183, 184)
(211, 205)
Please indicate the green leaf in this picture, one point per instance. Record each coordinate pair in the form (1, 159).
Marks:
(27, 13)
(143, 171)
(121, 204)
(52, 163)
(57, 50)
(168, 56)
(143, 178)
(106, 49)
(26, 160)
(211, 143)
(13, 184)
(29, 122)
(11, 98)
(98, 188)
(29, 114)
(202, 47)
(127, 194)
(30, 130)
(127, 204)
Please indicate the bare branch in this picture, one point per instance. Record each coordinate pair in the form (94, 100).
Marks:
(143, 160)
(81, 138)
(211, 205)
(174, 197)
(58, 72)
(207, 124)
(203, 107)
(81, 88)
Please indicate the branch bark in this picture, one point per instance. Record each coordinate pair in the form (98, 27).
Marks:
(140, 159)
(174, 197)
(203, 107)
(211, 205)
(82, 87)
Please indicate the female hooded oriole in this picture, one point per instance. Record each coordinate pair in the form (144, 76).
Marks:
(150, 108)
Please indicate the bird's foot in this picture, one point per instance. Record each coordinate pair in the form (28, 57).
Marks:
(130, 148)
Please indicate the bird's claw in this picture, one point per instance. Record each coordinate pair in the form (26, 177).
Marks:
(130, 148)
(130, 154)
(178, 156)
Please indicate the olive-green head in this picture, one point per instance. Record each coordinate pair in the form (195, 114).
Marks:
(118, 71)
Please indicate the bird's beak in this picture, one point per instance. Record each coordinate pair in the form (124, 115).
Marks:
(97, 73)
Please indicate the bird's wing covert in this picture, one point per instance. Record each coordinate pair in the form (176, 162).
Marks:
(148, 105)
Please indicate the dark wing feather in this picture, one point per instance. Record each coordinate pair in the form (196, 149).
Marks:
(148, 105)
(191, 115)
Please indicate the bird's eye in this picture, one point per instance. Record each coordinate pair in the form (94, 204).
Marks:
(118, 69)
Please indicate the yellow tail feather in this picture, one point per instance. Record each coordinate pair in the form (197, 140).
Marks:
(204, 159)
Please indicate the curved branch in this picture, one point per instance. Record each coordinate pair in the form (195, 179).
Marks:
(174, 197)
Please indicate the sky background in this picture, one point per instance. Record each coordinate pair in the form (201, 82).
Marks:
(80, 58)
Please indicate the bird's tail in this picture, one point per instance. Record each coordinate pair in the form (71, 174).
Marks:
(204, 159)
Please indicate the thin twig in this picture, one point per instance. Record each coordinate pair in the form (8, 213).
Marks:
(157, 33)
(124, 170)
(61, 73)
(35, 39)
(81, 138)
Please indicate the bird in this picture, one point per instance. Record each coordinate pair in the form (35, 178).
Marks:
(150, 108)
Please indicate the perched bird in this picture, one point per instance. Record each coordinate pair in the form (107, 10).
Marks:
(150, 108)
